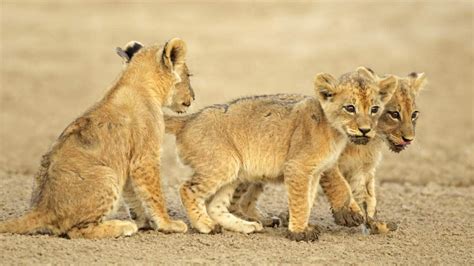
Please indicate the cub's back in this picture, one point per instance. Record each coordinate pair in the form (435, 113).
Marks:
(243, 115)
(246, 128)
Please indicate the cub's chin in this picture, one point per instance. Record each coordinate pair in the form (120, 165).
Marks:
(359, 140)
(179, 110)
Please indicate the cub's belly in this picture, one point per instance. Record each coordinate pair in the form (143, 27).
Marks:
(265, 168)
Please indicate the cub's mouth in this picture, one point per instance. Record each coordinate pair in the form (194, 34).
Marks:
(359, 140)
(179, 110)
(396, 147)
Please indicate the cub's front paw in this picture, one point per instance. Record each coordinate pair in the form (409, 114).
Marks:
(310, 234)
(347, 217)
(379, 227)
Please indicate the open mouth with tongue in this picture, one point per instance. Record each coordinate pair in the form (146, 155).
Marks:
(397, 146)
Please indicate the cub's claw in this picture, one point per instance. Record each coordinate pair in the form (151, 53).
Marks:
(346, 217)
(310, 234)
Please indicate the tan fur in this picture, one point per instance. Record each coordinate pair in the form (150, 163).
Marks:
(183, 95)
(264, 139)
(112, 147)
(358, 163)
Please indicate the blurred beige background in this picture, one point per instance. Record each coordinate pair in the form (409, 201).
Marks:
(57, 59)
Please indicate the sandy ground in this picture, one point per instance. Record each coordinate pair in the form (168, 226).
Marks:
(58, 59)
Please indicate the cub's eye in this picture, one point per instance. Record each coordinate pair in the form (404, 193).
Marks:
(350, 108)
(414, 116)
(395, 115)
(374, 109)
(190, 75)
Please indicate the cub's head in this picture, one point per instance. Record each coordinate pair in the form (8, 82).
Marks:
(398, 121)
(164, 66)
(354, 103)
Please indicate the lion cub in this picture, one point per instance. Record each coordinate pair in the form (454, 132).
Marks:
(257, 139)
(113, 147)
(357, 164)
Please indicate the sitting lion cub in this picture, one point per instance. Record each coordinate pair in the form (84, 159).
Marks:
(265, 140)
(113, 147)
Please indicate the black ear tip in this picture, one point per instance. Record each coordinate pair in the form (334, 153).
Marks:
(122, 53)
(413, 75)
(132, 48)
(136, 46)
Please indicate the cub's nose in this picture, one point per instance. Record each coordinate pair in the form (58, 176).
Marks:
(187, 104)
(407, 139)
(364, 130)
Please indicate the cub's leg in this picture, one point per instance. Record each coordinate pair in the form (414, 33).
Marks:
(298, 179)
(105, 229)
(145, 180)
(218, 211)
(136, 208)
(283, 217)
(238, 194)
(96, 192)
(248, 206)
(369, 204)
(345, 209)
(205, 182)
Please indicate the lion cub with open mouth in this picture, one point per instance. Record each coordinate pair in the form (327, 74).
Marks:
(112, 150)
(257, 139)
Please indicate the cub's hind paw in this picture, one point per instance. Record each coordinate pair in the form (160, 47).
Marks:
(207, 226)
(346, 217)
(310, 234)
(175, 226)
(251, 227)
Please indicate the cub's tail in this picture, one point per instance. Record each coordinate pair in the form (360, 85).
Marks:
(174, 124)
(30, 223)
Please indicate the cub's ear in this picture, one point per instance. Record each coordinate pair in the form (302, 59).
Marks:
(129, 51)
(174, 54)
(417, 81)
(325, 85)
(366, 73)
(387, 86)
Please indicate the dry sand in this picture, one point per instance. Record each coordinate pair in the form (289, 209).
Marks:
(58, 59)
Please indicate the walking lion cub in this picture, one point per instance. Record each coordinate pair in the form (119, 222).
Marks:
(257, 139)
(112, 150)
